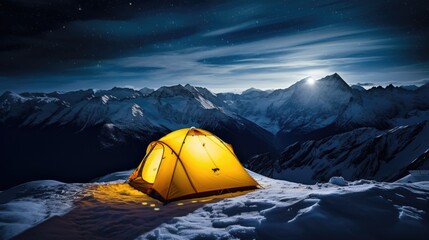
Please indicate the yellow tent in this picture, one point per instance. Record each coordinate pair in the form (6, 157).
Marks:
(187, 162)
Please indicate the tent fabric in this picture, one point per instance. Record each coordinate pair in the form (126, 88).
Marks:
(189, 161)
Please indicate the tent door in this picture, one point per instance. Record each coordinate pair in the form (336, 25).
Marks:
(153, 161)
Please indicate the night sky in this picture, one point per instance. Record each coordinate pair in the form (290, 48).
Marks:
(221, 45)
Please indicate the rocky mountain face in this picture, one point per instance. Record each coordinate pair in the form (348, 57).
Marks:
(361, 153)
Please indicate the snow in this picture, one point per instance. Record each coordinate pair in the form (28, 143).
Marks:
(414, 178)
(339, 181)
(104, 99)
(117, 176)
(29, 204)
(137, 110)
(205, 103)
(285, 210)
(110, 208)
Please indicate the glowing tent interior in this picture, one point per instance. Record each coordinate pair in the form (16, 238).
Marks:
(189, 162)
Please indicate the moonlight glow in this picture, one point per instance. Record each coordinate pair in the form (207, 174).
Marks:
(311, 81)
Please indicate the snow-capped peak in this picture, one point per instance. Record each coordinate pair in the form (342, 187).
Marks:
(335, 81)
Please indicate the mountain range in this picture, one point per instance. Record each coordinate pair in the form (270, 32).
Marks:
(79, 135)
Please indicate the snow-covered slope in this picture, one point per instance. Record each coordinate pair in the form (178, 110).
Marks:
(280, 210)
(415, 178)
(183, 106)
(29, 204)
(362, 153)
(286, 210)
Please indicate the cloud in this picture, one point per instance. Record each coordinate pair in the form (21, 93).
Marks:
(275, 59)
(365, 84)
(232, 44)
(229, 29)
